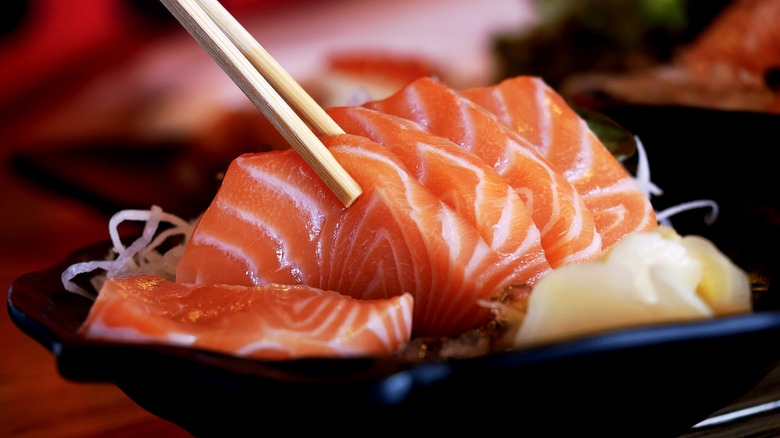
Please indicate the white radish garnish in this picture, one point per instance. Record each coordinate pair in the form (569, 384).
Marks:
(141, 257)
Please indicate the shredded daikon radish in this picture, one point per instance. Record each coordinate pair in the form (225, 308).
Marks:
(643, 172)
(664, 215)
(141, 257)
(650, 189)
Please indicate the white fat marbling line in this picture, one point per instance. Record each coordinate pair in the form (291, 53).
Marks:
(232, 251)
(408, 185)
(583, 164)
(576, 229)
(624, 185)
(343, 315)
(452, 226)
(545, 119)
(281, 243)
(371, 131)
(504, 225)
(468, 138)
(618, 213)
(527, 196)
(555, 215)
(303, 201)
(500, 105)
(355, 254)
(377, 282)
(517, 149)
(264, 344)
(416, 106)
(388, 332)
(338, 344)
(587, 253)
(627, 186)
(402, 324)
(98, 329)
(551, 176)
(502, 229)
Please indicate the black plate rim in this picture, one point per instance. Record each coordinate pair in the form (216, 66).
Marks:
(52, 338)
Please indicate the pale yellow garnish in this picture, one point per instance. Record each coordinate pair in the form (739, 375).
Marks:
(646, 278)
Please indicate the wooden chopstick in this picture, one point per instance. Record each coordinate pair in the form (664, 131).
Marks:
(194, 17)
(283, 83)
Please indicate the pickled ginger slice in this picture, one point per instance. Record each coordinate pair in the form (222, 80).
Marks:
(646, 278)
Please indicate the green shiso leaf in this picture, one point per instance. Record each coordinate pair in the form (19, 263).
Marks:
(617, 139)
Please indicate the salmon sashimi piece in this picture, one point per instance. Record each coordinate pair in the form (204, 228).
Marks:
(268, 322)
(274, 219)
(568, 232)
(262, 227)
(462, 181)
(541, 116)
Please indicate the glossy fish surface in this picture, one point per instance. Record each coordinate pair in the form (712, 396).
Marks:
(568, 232)
(262, 322)
(542, 117)
(273, 221)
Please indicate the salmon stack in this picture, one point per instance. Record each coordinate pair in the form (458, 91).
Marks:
(568, 231)
(464, 194)
(462, 181)
(264, 322)
(274, 221)
(459, 202)
(541, 116)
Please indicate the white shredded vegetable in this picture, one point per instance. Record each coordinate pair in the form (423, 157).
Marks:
(643, 172)
(141, 257)
(664, 215)
(643, 179)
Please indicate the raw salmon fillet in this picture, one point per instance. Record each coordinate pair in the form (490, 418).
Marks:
(541, 116)
(568, 232)
(263, 322)
(461, 180)
(274, 221)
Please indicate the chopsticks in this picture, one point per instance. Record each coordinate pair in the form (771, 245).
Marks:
(271, 89)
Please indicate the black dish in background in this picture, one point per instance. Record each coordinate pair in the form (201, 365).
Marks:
(720, 155)
(652, 381)
(113, 175)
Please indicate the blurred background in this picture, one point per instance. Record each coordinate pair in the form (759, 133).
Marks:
(110, 104)
(100, 90)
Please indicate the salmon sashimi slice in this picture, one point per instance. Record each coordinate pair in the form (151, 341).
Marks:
(462, 181)
(541, 116)
(262, 227)
(568, 232)
(274, 219)
(268, 322)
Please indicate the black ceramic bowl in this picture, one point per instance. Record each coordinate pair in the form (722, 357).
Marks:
(650, 381)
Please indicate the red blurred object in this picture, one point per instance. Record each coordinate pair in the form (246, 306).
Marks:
(383, 66)
(57, 42)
